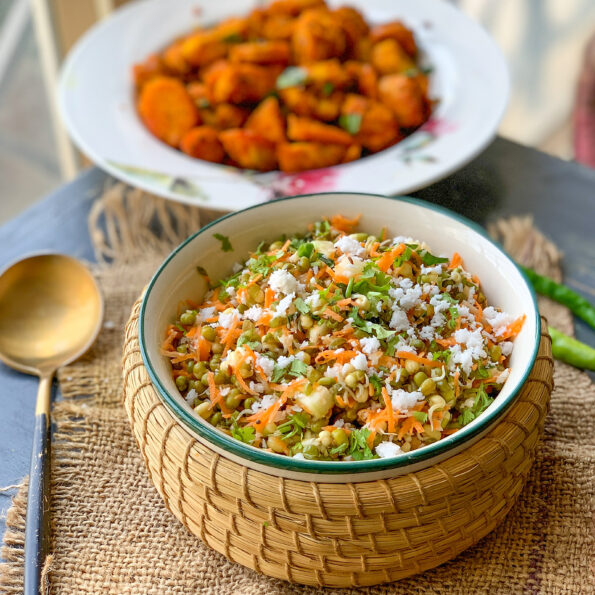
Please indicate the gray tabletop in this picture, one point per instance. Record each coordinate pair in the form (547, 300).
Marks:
(506, 179)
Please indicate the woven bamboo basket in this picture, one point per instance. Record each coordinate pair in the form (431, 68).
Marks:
(329, 534)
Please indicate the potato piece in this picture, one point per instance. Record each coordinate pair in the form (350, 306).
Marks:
(232, 30)
(249, 149)
(167, 109)
(174, 60)
(202, 48)
(353, 23)
(295, 157)
(292, 7)
(353, 152)
(242, 83)
(362, 50)
(203, 142)
(388, 57)
(224, 116)
(261, 52)
(367, 82)
(305, 129)
(199, 93)
(308, 104)
(398, 32)
(317, 36)
(278, 27)
(378, 127)
(328, 71)
(405, 99)
(147, 70)
(268, 121)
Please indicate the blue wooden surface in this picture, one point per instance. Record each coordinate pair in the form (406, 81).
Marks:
(506, 179)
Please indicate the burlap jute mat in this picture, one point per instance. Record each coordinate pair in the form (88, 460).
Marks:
(111, 532)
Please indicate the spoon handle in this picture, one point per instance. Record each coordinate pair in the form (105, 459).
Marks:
(38, 499)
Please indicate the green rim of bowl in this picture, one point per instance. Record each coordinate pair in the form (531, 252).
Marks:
(252, 453)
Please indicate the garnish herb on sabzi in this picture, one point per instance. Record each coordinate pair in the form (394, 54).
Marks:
(339, 345)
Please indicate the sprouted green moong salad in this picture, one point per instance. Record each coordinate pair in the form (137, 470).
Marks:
(339, 345)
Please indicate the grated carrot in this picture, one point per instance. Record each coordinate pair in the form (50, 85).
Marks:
(455, 261)
(389, 410)
(386, 260)
(422, 360)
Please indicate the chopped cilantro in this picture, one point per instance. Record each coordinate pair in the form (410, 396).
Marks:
(327, 88)
(301, 306)
(245, 434)
(420, 416)
(225, 243)
(306, 249)
(482, 372)
(339, 449)
(430, 260)
(358, 445)
(278, 373)
(454, 314)
(233, 38)
(351, 122)
(292, 76)
(326, 260)
(376, 383)
(298, 368)
(202, 271)
(180, 327)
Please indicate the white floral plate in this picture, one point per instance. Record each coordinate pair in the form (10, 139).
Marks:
(469, 77)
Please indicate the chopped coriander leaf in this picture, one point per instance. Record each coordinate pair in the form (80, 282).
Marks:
(420, 416)
(430, 260)
(327, 88)
(225, 243)
(202, 271)
(244, 434)
(306, 249)
(301, 306)
(292, 76)
(298, 368)
(350, 122)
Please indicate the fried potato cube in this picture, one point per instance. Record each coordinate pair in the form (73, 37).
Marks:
(145, 71)
(261, 52)
(353, 152)
(305, 129)
(167, 109)
(328, 71)
(352, 23)
(248, 149)
(203, 142)
(233, 29)
(364, 77)
(224, 116)
(362, 50)
(295, 157)
(293, 7)
(202, 48)
(397, 31)
(242, 83)
(404, 97)
(306, 103)
(268, 121)
(174, 60)
(378, 127)
(388, 57)
(317, 36)
(278, 27)
(199, 93)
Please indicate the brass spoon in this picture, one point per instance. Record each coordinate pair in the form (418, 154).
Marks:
(50, 314)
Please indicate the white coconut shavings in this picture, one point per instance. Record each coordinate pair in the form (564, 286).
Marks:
(205, 314)
(388, 449)
(253, 313)
(369, 345)
(284, 304)
(350, 246)
(402, 400)
(282, 281)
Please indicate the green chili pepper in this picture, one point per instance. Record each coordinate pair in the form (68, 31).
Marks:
(563, 295)
(571, 351)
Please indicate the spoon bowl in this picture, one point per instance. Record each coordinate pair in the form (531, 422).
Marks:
(50, 314)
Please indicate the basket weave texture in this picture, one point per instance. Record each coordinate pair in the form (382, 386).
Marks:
(337, 535)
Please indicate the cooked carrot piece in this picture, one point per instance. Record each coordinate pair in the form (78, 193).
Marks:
(378, 127)
(174, 60)
(353, 152)
(268, 121)
(328, 72)
(167, 109)
(305, 129)
(145, 71)
(295, 157)
(317, 36)
(203, 48)
(367, 82)
(389, 57)
(398, 32)
(249, 149)
(242, 83)
(261, 52)
(292, 7)
(306, 103)
(203, 142)
(224, 116)
(404, 97)
(353, 24)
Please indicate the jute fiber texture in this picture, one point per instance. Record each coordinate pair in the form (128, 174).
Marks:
(111, 531)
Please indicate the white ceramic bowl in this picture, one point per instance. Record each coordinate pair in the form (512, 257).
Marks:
(469, 79)
(445, 232)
